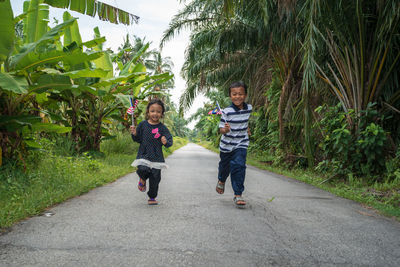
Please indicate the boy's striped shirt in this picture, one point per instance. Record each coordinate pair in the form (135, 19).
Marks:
(238, 119)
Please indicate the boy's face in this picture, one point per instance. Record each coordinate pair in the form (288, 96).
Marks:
(238, 95)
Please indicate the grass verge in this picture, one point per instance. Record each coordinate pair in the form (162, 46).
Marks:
(383, 197)
(52, 179)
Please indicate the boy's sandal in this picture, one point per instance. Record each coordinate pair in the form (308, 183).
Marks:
(239, 202)
(152, 201)
(141, 185)
(220, 187)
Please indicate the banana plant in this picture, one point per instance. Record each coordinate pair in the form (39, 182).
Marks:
(46, 85)
(91, 112)
(28, 73)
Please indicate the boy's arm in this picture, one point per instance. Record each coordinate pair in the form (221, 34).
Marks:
(248, 127)
(224, 126)
(225, 129)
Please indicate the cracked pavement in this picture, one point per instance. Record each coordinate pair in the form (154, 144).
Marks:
(194, 226)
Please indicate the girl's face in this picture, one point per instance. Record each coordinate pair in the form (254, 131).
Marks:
(155, 113)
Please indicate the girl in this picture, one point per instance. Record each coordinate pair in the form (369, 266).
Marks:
(151, 134)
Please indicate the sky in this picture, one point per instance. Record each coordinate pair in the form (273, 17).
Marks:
(155, 16)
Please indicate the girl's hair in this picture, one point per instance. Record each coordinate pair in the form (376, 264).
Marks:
(238, 84)
(155, 101)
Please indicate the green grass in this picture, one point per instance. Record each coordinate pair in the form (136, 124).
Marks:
(383, 197)
(52, 179)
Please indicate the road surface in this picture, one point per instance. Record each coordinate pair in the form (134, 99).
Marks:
(286, 223)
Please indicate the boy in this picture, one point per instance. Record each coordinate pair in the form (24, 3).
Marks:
(234, 142)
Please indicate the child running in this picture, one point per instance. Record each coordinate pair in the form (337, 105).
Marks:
(151, 134)
(234, 142)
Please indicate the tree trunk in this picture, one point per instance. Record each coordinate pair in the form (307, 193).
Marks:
(282, 99)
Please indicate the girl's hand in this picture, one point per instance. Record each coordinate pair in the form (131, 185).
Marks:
(163, 140)
(132, 130)
(248, 131)
(226, 129)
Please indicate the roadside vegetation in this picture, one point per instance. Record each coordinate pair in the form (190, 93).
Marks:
(383, 197)
(56, 174)
(63, 104)
(323, 80)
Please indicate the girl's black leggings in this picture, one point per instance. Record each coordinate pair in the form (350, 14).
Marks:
(154, 176)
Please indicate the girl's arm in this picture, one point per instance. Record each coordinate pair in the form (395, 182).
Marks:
(168, 137)
(137, 133)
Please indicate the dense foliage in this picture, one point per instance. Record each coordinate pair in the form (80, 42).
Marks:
(51, 82)
(63, 103)
(301, 59)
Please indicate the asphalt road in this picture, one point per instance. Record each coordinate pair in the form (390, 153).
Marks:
(286, 223)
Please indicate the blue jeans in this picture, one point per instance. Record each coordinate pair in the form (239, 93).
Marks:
(233, 163)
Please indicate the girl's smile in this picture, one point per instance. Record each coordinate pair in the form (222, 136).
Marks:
(154, 114)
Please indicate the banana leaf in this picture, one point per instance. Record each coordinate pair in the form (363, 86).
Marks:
(47, 37)
(13, 83)
(35, 23)
(99, 73)
(91, 7)
(58, 3)
(59, 83)
(116, 80)
(78, 6)
(41, 98)
(94, 42)
(17, 122)
(50, 128)
(71, 34)
(6, 30)
(32, 60)
(103, 62)
(32, 144)
(128, 66)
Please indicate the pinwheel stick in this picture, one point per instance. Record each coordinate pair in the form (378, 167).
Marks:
(222, 112)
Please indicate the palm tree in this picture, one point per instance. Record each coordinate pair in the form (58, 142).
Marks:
(130, 48)
(235, 39)
(159, 65)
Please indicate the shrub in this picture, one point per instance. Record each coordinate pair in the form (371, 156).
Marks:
(121, 143)
(352, 143)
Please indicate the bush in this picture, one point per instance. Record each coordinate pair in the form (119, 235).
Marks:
(121, 143)
(353, 144)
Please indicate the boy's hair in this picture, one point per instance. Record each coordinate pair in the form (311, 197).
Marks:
(155, 101)
(238, 84)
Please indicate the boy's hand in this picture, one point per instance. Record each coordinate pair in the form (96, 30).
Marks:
(163, 140)
(248, 131)
(226, 129)
(132, 130)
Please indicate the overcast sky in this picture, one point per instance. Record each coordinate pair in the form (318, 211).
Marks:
(155, 16)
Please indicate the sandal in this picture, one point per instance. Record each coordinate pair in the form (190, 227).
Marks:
(141, 185)
(152, 201)
(220, 187)
(239, 202)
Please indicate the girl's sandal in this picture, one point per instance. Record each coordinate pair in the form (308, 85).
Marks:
(152, 201)
(220, 187)
(239, 202)
(141, 185)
